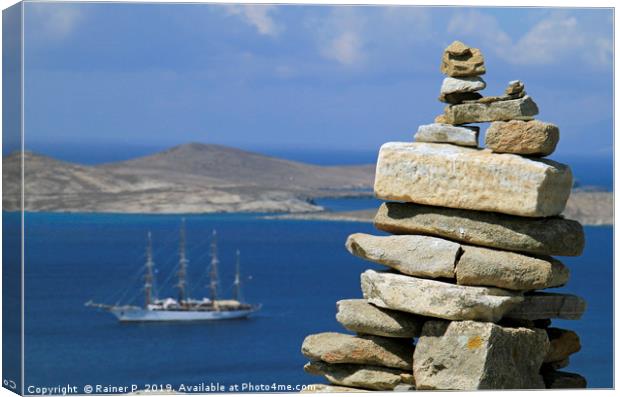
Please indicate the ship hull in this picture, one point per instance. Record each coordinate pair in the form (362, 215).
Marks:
(143, 315)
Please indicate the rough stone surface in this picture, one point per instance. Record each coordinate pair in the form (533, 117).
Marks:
(435, 298)
(534, 138)
(498, 110)
(448, 133)
(352, 375)
(457, 85)
(455, 99)
(460, 60)
(563, 343)
(555, 365)
(458, 177)
(359, 316)
(422, 256)
(319, 388)
(335, 348)
(543, 305)
(468, 355)
(503, 269)
(564, 380)
(542, 236)
(514, 87)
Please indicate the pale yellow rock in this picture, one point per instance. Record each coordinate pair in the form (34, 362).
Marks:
(533, 138)
(336, 348)
(460, 60)
(358, 376)
(503, 269)
(435, 298)
(458, 177)
(421, 256)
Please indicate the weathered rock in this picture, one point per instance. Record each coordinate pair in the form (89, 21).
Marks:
(533, 138)
(564, 380)
(359, 316)
(435, 298)
(320, 388)
(563, 343)
(514, 87)
(495, 110)
(542, 236)
(335, 348)
(468, 355)
(504, 269)
(414, 255)
(448, 133)
(456, 85)
(543, 305)
(458, 177)
(455, 99)
(359, 376)
(460, 60)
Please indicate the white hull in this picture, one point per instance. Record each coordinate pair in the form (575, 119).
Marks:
(144, 315)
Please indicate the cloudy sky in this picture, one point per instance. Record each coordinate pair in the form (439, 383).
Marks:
(298, 77)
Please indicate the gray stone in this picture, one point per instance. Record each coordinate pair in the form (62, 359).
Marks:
(555, 365)
(564, 380)
(336, 348)
(563, 343)
(543, 305)
(447, 133)
(468, 355)
(359, 316)
(515, 87)
(503, 269)
(358, 376)
(497, 110)
(542, 236)
(435, 298)
(532, 138)
(455, 99)
(457, 85)
(414, 255)
(458, 177)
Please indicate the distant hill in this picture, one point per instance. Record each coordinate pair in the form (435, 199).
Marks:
(191, 178)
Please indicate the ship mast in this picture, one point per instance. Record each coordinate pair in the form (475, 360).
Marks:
(148, 277)
(214, 263)
(181, 285)
(237, 283)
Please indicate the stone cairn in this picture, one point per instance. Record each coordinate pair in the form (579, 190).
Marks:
(473, 232)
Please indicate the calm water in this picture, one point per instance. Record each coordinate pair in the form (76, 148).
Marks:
(298, 270)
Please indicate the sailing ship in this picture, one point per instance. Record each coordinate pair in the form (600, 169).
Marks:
(184, 308)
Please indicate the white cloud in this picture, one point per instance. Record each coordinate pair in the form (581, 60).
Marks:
(553, 39)
(54, 21)
(346, 48)
(257, 16)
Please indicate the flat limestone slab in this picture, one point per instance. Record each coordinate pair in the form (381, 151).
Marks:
(469, 355)
(359, 316)
(543, 305)
(359, 376)
(458, 177)
(435, 298)
(503, 269)
(533, 138)
(335, 348)
(447, 133)
(542, 236)
(476, 112)
(413, 255)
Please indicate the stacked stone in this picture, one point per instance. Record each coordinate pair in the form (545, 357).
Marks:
(473, 235)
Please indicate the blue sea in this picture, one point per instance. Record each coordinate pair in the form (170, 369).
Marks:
(296, 269)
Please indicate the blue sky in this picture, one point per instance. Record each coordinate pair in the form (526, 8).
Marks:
(298, 77)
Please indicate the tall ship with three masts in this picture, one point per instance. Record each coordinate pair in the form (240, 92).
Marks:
(184, 308)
